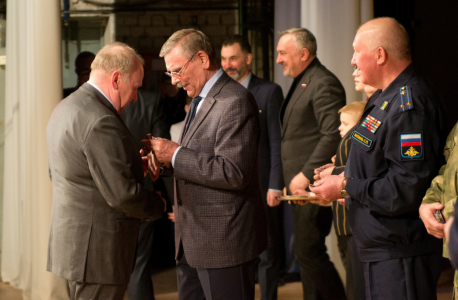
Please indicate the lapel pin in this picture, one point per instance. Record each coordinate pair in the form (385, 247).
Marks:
(304, 85)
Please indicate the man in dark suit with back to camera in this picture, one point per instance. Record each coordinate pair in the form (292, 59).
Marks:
(146, 115)
(97, 176)
(220, 226)
(310, 136)
(236, 60)
(396, 152)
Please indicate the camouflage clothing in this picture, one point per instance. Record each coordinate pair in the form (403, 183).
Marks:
(444, 187)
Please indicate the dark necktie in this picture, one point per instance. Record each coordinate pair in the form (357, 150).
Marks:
(192, 113)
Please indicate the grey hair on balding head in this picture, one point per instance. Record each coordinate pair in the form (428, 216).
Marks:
(303, 38)
(191, 41)
(389, 34)
(117, 57)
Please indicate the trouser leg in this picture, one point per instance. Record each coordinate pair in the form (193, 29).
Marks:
(140, 286)
(94, 291)
(410, 278)
(320, 279)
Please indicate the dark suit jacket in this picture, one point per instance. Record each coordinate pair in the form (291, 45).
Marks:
(98, 195)
(310, 122)
(146, 115)
(220, 219)
(269, 98)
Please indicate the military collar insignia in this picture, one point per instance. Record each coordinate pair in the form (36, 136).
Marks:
(411, 146)
(405, 98)
(384, 105)
(371, 123)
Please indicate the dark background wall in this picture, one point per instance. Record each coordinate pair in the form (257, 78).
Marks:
(433, 30)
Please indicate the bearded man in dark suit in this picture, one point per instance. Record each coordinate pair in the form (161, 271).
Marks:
(220, 224)
(236, 60)
(97, 177)
(310, 136)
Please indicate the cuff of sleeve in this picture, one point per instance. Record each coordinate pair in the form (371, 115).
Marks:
(174, 155)
(309, 173)
(275, 190)
(353, 187)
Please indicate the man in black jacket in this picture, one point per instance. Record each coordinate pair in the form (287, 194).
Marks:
(146, 115)
(310, 136)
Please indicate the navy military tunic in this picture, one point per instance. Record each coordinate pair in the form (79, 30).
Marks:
(396, 152)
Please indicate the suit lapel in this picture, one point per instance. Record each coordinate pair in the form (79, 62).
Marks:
(253, 85)
(205, 108)
(300, 89)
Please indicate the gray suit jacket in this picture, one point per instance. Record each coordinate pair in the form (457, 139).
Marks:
(220, 219)
(310, 122)
(98, 195)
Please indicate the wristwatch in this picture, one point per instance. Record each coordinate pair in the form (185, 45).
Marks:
(343, 192)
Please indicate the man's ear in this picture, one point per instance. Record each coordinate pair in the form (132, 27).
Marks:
(203, 59)
(249, 58)
(381, 56)
(304, 54)
(115, 80)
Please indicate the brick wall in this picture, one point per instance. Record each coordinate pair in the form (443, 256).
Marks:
(148, 31)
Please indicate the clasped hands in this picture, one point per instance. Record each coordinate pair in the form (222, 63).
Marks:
(159, 151)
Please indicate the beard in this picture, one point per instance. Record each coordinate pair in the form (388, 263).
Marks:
(239, 73)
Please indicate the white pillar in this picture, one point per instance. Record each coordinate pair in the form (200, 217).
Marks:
(33, 88)
(334, 24)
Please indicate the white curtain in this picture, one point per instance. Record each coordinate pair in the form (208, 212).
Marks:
(33, 88)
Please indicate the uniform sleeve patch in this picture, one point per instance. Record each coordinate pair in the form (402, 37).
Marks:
(411, 146)
(405, 98)
(362, 139)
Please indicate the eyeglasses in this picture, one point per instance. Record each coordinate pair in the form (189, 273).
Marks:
(171, 73)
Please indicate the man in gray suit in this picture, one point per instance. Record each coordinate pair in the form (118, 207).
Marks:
(220, 219)
(236, 60)
(309, 119)
(97, 176)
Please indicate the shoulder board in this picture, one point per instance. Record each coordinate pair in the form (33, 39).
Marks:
(405, 98)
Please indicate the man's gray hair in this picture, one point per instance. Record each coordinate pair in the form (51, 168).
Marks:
(117, 57)
(191, 41)
(303, 38)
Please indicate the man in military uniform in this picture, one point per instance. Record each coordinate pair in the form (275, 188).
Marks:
(396, 152)
(442, 196)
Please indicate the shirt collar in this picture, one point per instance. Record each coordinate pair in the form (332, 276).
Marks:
(97, 88)
(209, 84)
(246, 81)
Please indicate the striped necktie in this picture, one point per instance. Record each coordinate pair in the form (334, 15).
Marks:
(192, 113)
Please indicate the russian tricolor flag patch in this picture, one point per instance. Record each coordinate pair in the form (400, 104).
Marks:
(411, 146)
